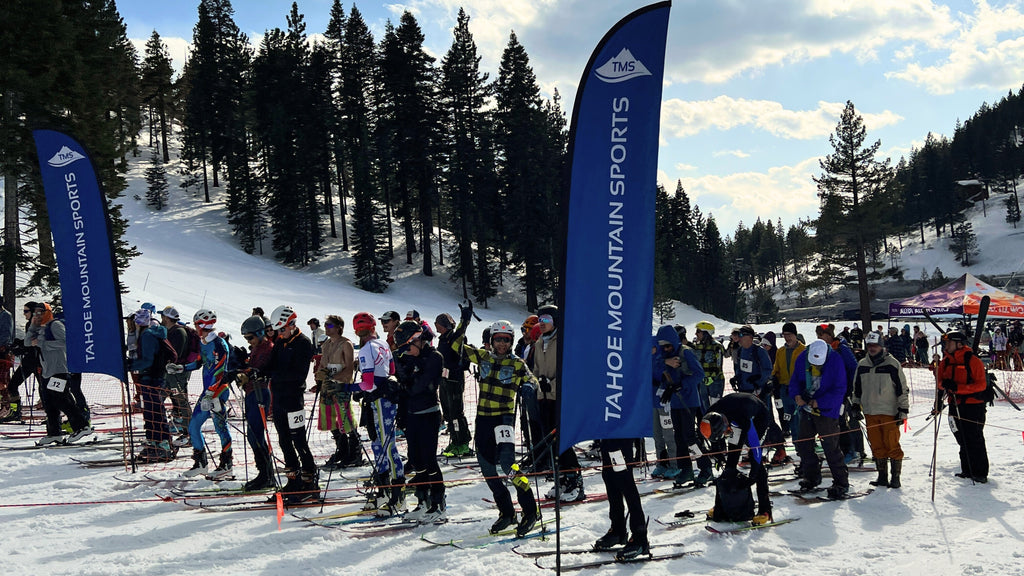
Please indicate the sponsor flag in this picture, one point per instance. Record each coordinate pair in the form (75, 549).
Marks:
(85, 257)
(607, 291)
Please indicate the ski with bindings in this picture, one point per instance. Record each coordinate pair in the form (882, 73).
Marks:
(813, 496)
(614, 560)
(580, 551)
(748, 527)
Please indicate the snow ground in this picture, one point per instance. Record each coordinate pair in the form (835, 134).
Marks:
(60, 518)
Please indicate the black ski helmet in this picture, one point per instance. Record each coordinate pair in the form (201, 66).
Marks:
(406, 333)
(550, 310)
(254, 325)
(713, 426)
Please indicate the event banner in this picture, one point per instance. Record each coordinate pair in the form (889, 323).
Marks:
(81, 239)
(608, 282)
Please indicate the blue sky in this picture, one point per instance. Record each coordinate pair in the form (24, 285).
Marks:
(753, 89)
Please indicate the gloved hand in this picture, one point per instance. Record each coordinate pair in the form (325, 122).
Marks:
(902, 414)
(466, 314)
(242, 378)
(855, 413)
(666, 396)
(173, 368)
(949, 386)
(708, 380)
(735, 383)
(320, 375)
(545, 384)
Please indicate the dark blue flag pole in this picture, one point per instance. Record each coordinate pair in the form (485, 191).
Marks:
(83, 244)
(607, 291)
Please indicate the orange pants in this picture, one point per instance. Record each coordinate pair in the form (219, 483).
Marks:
(884, 436)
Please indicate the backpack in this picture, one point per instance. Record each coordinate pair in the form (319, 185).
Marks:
(238, 360)
(734, 501)
(192, 346)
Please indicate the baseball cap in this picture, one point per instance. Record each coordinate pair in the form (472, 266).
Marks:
(873, 338)
(412, 315)
(171, 312)
(817, 351)
(390, 315)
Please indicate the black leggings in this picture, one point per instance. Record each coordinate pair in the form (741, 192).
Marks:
(288, 404)
(421, 435)
(621, 488)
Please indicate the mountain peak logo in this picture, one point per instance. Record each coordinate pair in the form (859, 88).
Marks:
(621, 68)
(63, 157)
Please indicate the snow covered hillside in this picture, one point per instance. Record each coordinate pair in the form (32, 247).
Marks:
(61, 518)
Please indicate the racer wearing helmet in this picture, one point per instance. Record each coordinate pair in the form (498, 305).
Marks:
(255, 382)
(213, 358)
(501, 376)
(289, 367)
(711, 355)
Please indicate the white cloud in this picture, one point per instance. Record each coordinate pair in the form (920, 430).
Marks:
(726, 40)
(681, 118)
(684, 167)
(987, 53)
(783, 191)
(735, 153)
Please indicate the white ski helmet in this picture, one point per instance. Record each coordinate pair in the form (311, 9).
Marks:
(502, 327)
(283, 316)
(205, 319)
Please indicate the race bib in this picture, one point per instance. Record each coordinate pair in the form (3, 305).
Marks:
(695, 451)
(333, 369)
(504, 434)
(617, 460)
(778, 402)
(444, 373)
(736, 436)
(57, 384)
(746, 366)
(666, 421)
(952, 424)
(296, 419)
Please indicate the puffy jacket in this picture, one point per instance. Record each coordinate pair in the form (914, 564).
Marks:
(831, 387)
(965, 369)
(881, 386)
(50, 340)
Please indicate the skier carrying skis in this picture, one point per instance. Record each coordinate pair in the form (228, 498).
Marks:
(739, 420)
(501, 377)
(213, 358)
(961, 377)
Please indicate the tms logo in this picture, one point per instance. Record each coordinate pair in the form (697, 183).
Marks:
(64, 157)
(621, 68)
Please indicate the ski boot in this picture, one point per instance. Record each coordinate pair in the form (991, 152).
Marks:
(503, 522)
(223, 470)
(636, 546)
(199, 464)
(611, 539)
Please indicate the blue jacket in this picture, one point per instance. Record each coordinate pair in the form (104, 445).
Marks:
(755, 369)
(849, 363)
(831, 388)
(149, 345)
(688, 376)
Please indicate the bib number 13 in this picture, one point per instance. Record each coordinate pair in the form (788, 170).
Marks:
(504, 434)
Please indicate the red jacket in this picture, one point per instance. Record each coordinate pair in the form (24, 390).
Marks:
(965, 369)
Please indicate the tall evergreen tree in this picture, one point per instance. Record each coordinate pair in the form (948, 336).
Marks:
(463, 93)
(521, 134)
(371, 258)
(156, 183)
(155, 86)
(852, 179)
(335, 44)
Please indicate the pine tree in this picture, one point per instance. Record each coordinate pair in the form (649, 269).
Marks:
(1012, 210)
(335, 44)
(521, 134)
(964, 243)
(371, 258)
(156, 183)
(155, 87)
(849, 188)
(463, 92)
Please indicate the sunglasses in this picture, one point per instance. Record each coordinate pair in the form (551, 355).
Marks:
(249, 336)
(498, 339)
(330, 325)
